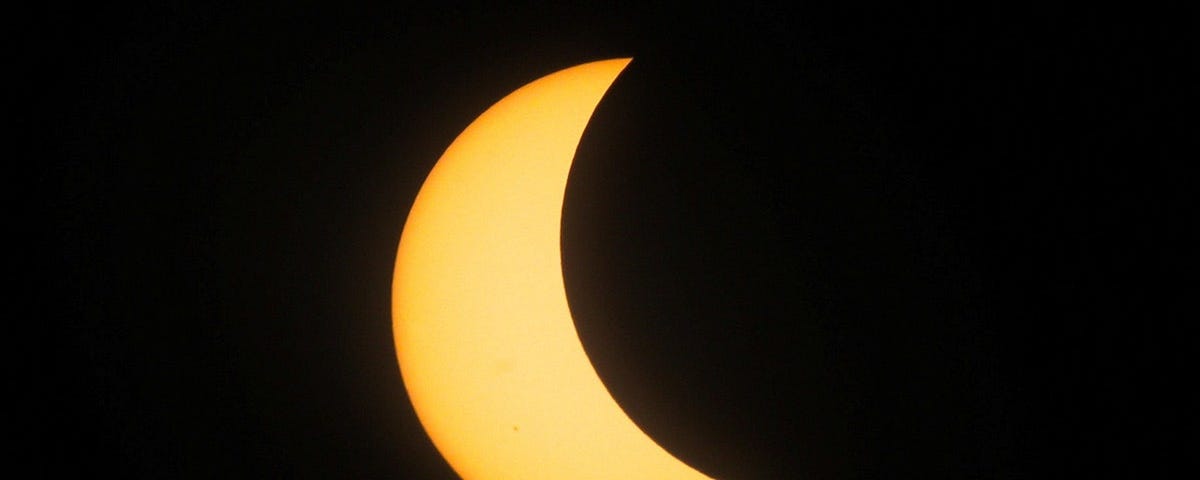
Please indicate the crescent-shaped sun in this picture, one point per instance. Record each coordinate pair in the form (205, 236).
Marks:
(484, 337)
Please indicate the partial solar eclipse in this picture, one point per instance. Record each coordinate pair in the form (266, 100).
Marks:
(486, 344)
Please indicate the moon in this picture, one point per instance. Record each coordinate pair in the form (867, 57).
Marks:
(484, 337)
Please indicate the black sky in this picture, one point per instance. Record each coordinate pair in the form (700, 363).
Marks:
(798, 243)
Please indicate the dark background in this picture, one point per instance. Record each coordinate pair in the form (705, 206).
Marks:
(822, 243)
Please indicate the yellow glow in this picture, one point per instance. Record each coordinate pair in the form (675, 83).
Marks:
(485, 341)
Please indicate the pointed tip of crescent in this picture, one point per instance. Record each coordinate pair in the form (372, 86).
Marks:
(611, 68)
(618, 63)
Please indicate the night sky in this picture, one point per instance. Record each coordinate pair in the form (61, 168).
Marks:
(840, 243)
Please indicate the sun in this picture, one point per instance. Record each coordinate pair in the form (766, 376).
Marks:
(486, 344)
